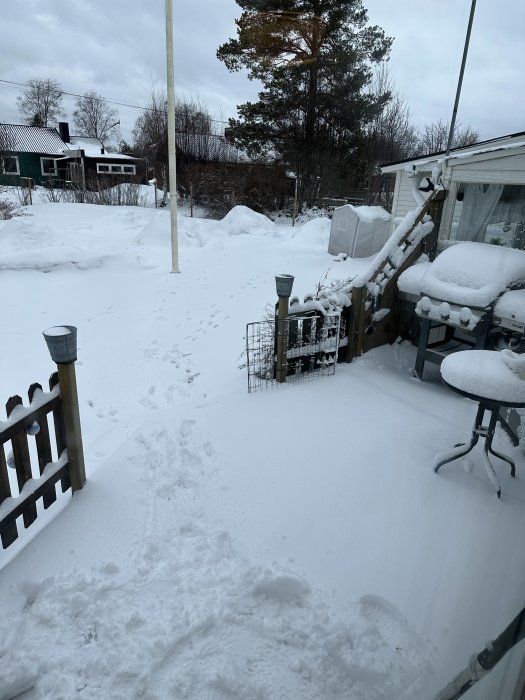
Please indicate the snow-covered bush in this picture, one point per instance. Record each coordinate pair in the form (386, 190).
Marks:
(129, 194)
(7, 209)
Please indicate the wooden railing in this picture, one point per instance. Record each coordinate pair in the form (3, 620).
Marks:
(372, 318)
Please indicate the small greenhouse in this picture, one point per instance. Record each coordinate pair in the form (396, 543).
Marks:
(358, 231)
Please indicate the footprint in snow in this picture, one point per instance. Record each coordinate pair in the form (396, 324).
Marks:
(393, 627)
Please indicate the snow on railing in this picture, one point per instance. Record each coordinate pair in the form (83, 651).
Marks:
(371, 321)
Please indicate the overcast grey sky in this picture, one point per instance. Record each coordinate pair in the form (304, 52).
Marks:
(117, 48)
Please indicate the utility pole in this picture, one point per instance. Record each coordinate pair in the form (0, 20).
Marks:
(172, 160)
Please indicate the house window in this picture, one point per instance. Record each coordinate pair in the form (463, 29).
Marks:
(48, 166)
(10, 165)
(115, 169)
(490, 213)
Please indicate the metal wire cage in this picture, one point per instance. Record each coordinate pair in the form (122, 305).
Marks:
(312, 343)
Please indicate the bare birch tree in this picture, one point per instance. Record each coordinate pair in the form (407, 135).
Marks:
(433, 137)
(41, 102)
(95, 118)
(150, 136)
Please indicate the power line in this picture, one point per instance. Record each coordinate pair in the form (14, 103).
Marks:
(111, 102)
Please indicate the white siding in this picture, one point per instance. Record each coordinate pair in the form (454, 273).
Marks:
(404, 202)
(500, 166)
(507, 167)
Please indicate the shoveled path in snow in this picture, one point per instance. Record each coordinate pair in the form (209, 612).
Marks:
(165, 605)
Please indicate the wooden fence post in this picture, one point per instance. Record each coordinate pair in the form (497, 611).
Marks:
(355, 323)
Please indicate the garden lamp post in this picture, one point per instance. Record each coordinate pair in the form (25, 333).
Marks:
(283, 285)
(62, 345)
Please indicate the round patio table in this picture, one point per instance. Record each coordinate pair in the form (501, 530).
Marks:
(482, 376)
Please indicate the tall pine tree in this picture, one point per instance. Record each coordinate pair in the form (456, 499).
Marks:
(314, 60)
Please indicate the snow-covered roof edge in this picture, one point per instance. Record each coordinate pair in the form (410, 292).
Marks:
(47, 140)
(511, 141)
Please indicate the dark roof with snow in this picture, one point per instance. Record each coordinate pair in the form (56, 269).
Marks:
(209, 147)
(31, 139)
(479, 147)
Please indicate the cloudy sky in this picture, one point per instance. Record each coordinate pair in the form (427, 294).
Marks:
(117, 48)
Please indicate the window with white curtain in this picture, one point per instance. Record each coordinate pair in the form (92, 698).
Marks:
(490, 213)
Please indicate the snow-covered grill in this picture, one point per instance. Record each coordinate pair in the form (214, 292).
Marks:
(509, 313)
(472, 295)
(456, 327)
(465, 317)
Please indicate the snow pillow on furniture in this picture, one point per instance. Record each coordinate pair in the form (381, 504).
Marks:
(511, 305)
(410, 280)
(473, 274)
(514, 362)
(485, 374)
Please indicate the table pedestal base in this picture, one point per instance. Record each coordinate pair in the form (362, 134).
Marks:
(478, 431)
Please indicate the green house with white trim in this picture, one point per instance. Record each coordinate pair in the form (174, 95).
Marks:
(28, 152)
(50, 156)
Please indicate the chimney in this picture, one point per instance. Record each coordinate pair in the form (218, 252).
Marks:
(63, 130)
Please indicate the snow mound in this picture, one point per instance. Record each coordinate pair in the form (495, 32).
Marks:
(41, 248)
(283, 589)
(242, 220)
(314, 234)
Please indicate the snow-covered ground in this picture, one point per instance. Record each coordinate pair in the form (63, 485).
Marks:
(293, 543)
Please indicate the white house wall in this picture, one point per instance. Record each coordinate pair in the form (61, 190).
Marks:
(502, 166)
(404, 202)
(508, 170)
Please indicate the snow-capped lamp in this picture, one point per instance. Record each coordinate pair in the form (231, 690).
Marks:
(61, 343)
(284, 285)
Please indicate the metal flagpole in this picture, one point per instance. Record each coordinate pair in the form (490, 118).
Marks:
(172, 160)
(460, 81)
